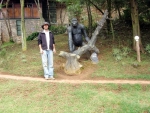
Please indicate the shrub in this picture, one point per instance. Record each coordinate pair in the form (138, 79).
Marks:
(94, 25)
(32, 36)
(119, 53)
(58, 29)
(125, 51)
(147, 48)
(55, 29)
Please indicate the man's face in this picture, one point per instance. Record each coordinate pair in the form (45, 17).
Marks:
(46, 27)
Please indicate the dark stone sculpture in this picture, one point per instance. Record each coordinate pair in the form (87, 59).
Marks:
(72, 64)
(76, 32)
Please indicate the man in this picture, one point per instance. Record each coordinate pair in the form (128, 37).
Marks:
(47, 47)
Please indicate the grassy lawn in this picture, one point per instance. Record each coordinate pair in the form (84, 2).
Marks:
(40, 97)
(28, 63)
(124, 69)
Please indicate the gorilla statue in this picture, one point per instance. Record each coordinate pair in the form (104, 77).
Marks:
(75, 33)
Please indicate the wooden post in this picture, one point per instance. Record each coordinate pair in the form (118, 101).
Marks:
(0, 34)
(137, 48)
(0, 31)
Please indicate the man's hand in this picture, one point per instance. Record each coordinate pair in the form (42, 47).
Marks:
(41, 51)
(54, 50)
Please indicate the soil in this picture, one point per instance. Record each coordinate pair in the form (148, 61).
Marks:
(75, 81)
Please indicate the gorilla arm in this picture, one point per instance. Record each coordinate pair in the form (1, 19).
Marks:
(84, 33)
(70, 41)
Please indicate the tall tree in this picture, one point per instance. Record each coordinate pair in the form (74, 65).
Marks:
(23, 29)
(61, 15)
(37, 2)
(0, 26)
(118, 4)
(6, 18)
(96, 6)
(135, 23)
(49, 14)
(74, 8)
(89, 17)
(109, 15)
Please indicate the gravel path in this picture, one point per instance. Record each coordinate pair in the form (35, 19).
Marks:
(75, 81)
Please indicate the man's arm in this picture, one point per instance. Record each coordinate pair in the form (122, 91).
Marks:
(39, 43)
(41, 50)
(53, 39)
(54, 50)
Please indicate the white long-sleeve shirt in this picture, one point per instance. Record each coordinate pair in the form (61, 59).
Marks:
(47, 39)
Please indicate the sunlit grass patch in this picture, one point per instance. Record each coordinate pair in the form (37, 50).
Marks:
(37, 97)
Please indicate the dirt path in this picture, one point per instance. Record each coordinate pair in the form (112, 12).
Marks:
(75, 81)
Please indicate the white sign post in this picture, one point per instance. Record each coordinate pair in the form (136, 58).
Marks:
(137, 48)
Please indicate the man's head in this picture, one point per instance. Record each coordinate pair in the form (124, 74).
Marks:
(45, 25)
(74, 22)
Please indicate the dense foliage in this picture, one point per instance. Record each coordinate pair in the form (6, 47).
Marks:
(32, 36)
(58, 29)
(55, 30)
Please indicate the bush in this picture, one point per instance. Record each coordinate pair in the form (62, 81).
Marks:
(147, 48)
(32, 36)
(117, 54)
(94, 25)
(120, 53)
(125, 51)
(58, 29)
(55, 30)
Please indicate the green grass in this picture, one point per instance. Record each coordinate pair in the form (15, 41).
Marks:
(7, 44)
(109, 68)
(28, 63)
(40, 97)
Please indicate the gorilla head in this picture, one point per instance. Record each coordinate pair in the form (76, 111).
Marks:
(74, 22)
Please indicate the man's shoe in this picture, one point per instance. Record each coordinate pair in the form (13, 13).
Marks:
(46, 78)
(52, 78)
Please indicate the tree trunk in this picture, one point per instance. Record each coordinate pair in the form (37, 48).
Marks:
(0, 26)
(96, 7)
(49, 15)
(135, 24)
(8, 22)
(23, 30)
(72, 65)
(37, 2)
(0, 35)
(89, 18)
(109, 16)
(118, 9)
(62, 17)
(6, 17)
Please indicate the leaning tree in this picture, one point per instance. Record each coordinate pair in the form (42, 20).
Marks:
(72, 65)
